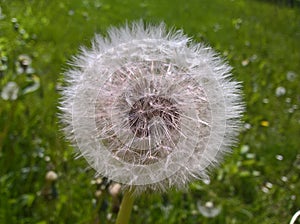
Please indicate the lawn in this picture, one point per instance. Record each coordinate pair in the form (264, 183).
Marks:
(258, 183)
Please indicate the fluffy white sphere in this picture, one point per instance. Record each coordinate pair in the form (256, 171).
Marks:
(150, 108)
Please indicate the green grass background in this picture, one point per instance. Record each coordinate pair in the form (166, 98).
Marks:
(258, 183)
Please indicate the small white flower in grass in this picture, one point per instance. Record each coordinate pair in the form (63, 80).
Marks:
(51, 176)
(208, 209)
(150, 108)
(10, 91)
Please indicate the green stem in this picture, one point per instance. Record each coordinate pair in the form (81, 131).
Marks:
(125, 208)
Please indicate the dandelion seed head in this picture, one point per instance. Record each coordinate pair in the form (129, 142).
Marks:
(150, 108)
(10, 91)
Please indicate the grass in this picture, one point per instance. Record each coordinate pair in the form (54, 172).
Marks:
(258, 183)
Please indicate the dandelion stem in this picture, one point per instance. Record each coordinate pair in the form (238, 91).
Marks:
(125, 209)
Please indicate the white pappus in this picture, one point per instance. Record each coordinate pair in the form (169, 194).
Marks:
(150, 108)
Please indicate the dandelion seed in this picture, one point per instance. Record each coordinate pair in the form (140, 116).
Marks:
(250, 156)
(245, 149)
(291, 76)
(51, 176)
(208, 209)
(24, 61)
(279, 157)
(98, 193)
(10, 91)
(256, 173)
(280, 91)
(71, 12)
(149, 107)
(266, 101)
(265, 190)
(247, 126)
(269, 185)
(245, 62)
(288, 100)
(206, 181)
(253, 58)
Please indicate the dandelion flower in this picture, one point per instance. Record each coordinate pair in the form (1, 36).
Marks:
(149, 108)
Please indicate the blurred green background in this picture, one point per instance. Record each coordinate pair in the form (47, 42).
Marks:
(258, 183)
